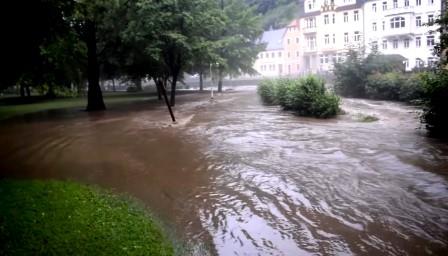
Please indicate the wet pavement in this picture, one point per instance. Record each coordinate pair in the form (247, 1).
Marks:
(234, 177)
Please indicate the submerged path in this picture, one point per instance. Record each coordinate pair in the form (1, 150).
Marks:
(234, 177)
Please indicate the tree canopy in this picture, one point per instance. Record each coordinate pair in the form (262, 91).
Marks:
(64, 43)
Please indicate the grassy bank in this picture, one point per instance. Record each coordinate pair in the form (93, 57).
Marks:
(64, 218)
(10, 107)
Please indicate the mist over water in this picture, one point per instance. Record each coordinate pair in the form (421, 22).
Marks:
(241, 178)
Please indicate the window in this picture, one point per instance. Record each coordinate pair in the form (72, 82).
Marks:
(334, 38)
(321, 59)
(395, 3)
(406, 63)
(418, 21)
(373, 7)
(261, 55)
(297, 40)
(334, 18)
(279, 54)
(375, 45)
(418, 63)
(384, 25)
(430, 19)
(431, 61)
(356, 15)
(430, 40)
(395, 44)
(418, 2)
(327, 39)
(374, 26)
(273, 55)
(345, 37)
(326, 19)
(406, 43)
(384, 6)
(297, 53)
(289, 55)
(345, 16)
(384, 44)
(418, 42)
(397, 22)
(430, 2)
(406, 3)
(357, 37)
(288, 41)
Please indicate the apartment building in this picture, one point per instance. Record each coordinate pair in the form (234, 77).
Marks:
(328, 29)
(291, 44)
(400, 27)
(270, 62)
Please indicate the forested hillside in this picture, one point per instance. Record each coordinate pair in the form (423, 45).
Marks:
(276, 13)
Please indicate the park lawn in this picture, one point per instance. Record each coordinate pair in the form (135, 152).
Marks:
(65, 218)
(11, 110)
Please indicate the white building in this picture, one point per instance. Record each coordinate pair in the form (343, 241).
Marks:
(270, 62)
(329, 28)
(399, 27)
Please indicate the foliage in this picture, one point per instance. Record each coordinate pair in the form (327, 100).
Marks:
(306, 96)
(384, 86)
(266, 90)
(64, 218)
(350, 76)
(275, 13)
(435, 95)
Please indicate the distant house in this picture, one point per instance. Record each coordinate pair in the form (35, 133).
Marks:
(270, 61)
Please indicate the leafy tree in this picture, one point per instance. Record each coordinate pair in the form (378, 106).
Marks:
(238, 45)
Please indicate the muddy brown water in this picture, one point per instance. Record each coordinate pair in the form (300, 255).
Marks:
(234, 177)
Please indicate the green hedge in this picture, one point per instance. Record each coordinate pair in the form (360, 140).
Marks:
(306, 96)
(394, 86)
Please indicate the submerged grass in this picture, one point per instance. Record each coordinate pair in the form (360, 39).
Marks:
(65, 218)
(366, 118)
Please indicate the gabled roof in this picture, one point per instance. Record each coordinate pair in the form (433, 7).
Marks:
(273, 39)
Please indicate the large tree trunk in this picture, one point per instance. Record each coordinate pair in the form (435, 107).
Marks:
(201, 81)
(28, 91)
(22, 90)
(113, 85)
(138, 84)
(94, 95)
(173, 90)
(220, 81)
(159, 85)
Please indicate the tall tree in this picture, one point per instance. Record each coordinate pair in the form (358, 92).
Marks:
(239, 44)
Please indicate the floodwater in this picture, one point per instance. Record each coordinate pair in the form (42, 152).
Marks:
(234, 177)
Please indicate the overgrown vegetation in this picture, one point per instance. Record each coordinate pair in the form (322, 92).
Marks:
(377, 76)
(305, 96)
(64, 218)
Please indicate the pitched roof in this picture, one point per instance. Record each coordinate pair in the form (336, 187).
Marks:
(273, 39)
(294, 23)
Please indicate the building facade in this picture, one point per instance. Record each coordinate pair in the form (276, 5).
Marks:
(401, 27)
(270, 62)
(329, 29)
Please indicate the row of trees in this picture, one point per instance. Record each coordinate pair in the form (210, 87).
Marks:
(61, 43)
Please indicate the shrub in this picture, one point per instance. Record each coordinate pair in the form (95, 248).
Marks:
(384, 86)
(266, 90)
(305, 96)
(411, 89)
(435, 95)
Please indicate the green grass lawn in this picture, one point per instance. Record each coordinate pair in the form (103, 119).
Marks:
(65, 218)
(11, 108)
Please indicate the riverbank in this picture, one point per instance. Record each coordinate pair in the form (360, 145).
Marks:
(64, 218)
(16, 106)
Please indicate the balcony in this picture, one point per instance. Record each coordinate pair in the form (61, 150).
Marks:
(399, 11)
(309, 48)
(402, 32)
(306, 30)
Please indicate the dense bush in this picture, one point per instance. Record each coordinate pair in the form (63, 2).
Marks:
(435, 96)
(384, 86)
(378, 77)
(305, 96)
(266, 90)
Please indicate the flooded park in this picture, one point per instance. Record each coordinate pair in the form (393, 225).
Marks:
(236, 177)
